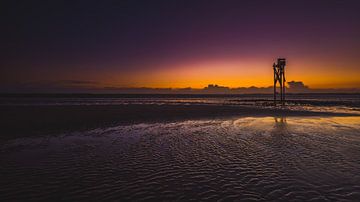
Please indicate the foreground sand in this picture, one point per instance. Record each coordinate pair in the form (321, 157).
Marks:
(26, 121)
(223, 159)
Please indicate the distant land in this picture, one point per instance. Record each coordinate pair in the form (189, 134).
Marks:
(75, 86)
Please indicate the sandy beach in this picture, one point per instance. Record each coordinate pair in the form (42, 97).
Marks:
(222, 159)
(179, 149)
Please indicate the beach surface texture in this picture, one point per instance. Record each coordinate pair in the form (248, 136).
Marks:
(179, 150)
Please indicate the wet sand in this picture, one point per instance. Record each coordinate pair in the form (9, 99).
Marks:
(178, 152)
(223, 159)
(25, 121)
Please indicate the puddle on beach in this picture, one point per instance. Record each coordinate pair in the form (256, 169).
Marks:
(261, 159)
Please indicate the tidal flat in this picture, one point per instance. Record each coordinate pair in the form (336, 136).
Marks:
(260, 158)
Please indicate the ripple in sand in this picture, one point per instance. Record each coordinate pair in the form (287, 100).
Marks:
(260, 159)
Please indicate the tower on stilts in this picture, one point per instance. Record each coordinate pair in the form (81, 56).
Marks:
(279, 76)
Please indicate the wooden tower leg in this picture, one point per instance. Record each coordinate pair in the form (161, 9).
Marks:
(274, 88)
(281, 92)
(284, 91)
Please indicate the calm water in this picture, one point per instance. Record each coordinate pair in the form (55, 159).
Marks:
(317, 102)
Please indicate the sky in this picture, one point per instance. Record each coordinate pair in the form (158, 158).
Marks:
(178, 44)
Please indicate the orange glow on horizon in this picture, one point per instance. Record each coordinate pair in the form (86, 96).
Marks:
(235, 74)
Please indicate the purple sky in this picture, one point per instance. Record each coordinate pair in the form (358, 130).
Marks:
(138, 43)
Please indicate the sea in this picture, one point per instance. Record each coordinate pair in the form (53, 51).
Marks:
(329, 101)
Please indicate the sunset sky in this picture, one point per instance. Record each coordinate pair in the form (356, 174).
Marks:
(180, 43)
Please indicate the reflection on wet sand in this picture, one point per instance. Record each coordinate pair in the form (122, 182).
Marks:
(261, 159)
(280, 120)
(280, 124)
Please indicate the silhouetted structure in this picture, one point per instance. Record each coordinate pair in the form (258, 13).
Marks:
(279, 75)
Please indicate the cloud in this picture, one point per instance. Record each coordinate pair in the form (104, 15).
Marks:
(297, 86)
(214, 88)
(75, 82)
(293, 87)
(83, 86)
(59, 86)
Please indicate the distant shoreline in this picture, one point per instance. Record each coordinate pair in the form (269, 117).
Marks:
(156, 95)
